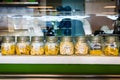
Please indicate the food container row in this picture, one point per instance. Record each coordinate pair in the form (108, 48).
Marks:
(67, 45)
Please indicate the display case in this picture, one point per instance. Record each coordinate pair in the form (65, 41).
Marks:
(76, 19)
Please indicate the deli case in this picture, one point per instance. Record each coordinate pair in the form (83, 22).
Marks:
(67, 25)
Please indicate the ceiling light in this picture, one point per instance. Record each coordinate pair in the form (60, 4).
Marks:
(110, 7)
(109, 13)
(48, 10)
(40, 6)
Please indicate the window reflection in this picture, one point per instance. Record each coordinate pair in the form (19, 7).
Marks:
(98, 14)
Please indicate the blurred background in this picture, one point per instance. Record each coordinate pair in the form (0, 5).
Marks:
(58, 17)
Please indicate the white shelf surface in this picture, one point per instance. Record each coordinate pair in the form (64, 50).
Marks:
(59, 60)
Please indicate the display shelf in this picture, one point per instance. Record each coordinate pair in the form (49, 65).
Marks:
(59, 60)
(18, 4)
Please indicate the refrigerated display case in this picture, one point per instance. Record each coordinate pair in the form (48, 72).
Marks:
(34, 24)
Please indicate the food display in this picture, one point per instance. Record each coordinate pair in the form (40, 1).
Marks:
(8, 45)
(111, 46)
(23, 45)
(52, 46)
(66, 46)
(81, 46)
(96, 46)
(37, 45)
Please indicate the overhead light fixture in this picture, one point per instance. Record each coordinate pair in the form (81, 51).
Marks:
(110, 7)
(44, 10)
(40, 6)
(109, 13)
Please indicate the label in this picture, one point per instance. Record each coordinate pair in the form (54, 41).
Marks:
(6, 46)
(21, 45)
(81, 48)
(36, 46)
(113, 45)
(66, 49)
(51, 46)
(96, 46)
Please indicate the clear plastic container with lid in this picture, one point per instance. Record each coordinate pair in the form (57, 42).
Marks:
(111, 46)
(8, 45)
(81, 46)
(52, 46)
(66, 46)
(37, 45)
(96, 46)
(23, 45)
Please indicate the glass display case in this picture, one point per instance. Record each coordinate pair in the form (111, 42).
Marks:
(61, 18)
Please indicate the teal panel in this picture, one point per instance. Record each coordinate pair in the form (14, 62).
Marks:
(58, 69)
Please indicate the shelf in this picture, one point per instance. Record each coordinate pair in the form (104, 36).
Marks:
(61, 28)
(18, 4)
(59, 60)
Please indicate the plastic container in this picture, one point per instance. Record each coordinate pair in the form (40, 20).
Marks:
(37, 45)
(8, 45)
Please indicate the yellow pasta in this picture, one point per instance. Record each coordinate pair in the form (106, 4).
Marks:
(66, 48)
(8, 49)
(39, 51)
(111, 46)
(22, 49)
(96, 52)
(81, 48)
(110, 51)
(51, 49)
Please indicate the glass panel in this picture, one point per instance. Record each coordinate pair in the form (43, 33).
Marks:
(61, 17)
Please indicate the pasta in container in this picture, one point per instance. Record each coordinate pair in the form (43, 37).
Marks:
(66, 46)
(81, 46)
(37, 45)
(111, 46)
(96, 46)
(8, 45)
(52, 46)
(23, 45)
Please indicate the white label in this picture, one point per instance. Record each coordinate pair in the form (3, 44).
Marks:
(21, 45)
(35, 46)
(6, 46)
(96, 46)
(66, 49)
(81, 48)
(51, 46)
(113, 45)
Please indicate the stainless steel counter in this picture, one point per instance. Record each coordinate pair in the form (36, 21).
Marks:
(59, 77)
